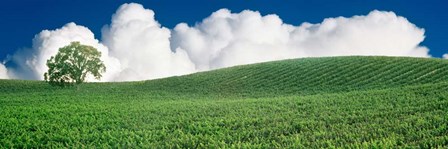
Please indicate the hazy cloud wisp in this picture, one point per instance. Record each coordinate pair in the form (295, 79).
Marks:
(3, 72)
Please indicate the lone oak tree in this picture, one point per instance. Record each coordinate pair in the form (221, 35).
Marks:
(73, 63)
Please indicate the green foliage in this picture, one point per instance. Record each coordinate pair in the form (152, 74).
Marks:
(73, 63)
(392, 103)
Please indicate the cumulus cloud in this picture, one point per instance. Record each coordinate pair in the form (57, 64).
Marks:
(32, 62)
(137, 47)
(445, 56)
(227, 39)
(378, 33)
(142, 46)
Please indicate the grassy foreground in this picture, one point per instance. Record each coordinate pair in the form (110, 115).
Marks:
(378, 102)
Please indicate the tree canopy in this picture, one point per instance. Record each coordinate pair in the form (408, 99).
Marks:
(73, 63)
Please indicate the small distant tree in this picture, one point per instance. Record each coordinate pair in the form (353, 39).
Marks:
(73, 63)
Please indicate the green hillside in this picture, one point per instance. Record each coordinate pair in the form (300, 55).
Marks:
(378, 102)
(309, 76)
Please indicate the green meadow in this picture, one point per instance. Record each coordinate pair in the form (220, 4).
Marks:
(332, 102)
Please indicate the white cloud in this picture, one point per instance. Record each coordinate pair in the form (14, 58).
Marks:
(445, 56)
(227, 39)
(142, 45)
(136, 47)
(32, 62)
(3, 72)
(378, 33)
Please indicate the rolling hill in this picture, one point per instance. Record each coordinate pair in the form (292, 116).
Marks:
(355, 101)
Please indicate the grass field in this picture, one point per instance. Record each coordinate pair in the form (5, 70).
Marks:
(347, 102)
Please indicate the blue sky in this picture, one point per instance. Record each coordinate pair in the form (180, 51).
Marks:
(22, 19)
(143, 40)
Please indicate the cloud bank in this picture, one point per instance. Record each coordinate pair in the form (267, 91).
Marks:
(136, 47)
(228, 39)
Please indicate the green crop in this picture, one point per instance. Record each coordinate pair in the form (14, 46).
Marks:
(335, 102)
